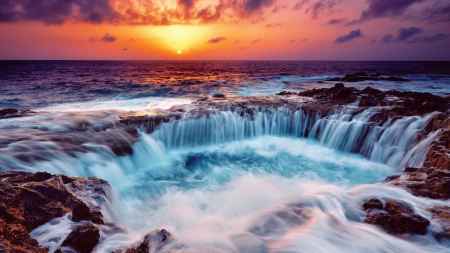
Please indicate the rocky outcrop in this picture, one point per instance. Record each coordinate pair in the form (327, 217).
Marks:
(362, 76)
(83, 239)
(13, 113)
(433, 179)
(152, 242)
(442, 215)
(29, 200)
(395, 217)
(396, 103)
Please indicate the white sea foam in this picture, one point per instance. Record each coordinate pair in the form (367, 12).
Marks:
(118, 103)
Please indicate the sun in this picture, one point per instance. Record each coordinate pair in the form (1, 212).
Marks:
(179, 51)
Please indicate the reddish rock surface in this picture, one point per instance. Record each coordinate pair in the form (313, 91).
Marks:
(398, 217)
(29, 200)
(83, 238)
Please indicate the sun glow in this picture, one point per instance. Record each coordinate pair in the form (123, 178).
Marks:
(179, 51)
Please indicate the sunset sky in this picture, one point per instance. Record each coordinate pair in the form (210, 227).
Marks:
(225, 29)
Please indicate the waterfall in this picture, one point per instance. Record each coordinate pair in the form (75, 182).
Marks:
(347, 129)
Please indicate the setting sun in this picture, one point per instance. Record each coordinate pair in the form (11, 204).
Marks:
(179, 51)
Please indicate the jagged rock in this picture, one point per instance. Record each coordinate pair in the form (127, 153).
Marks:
(368, 101)
(361, 76)
(399, 218)
(442, 216)
(219, 95)
(154, 240)
(83, 238)
(28, 200)
(373, 204)
(13, 113)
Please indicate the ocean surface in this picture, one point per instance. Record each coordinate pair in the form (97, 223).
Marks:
(33, 84)
(222, 182)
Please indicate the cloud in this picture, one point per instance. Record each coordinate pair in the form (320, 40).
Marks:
(130, 12)
(437, 12)
(403, 35)
(256, 41)
(252, 6)
(242, 48)
(125, 49)
(303, 40)
(292, 41)
(132, 40)
(434, 38)
(337, 21)
(236, 41)
(107, 38)
(349, 37)
(384, 8)
(316, 7)
(216, 40)
(273, 25)
(373, 41)
(300, 5)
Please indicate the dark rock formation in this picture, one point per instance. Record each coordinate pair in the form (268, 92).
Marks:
(400, 103)
(29, 200)
(361, 76)
(152, 242)
(433, 179)
(399, 218)
(83, 238)
(373, 204)
(442, 216)
(13, 113)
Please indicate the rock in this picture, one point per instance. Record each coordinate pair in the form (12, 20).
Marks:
(154, 240)
(95, 215)
(368, 101)
(373, 204)
(218, 95)
(28, 200)
(399, 218)
(442, 215)
(83, 238)
(362, 76)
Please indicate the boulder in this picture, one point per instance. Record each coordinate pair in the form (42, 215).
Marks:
(83, 238)
(28, 200)
(399, 218)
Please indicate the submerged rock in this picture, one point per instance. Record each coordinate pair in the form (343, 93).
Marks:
(442, 215)
(362, 76)
(398, 218)
(83, 238)
(13, 113)
(28, 200)
(152, 242)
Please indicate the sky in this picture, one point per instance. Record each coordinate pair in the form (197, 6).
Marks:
(225, 30)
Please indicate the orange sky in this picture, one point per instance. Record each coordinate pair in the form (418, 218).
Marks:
(226, 30)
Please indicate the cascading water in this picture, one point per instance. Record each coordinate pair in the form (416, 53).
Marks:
(260, 181)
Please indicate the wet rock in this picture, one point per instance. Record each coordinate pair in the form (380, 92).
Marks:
(83, 238)
(13, 113)
(399, 218)
(218, 95)
(373, 204)
(362, 76)
(154, 240)
(368, 101)
(442, 215)
(28, 200)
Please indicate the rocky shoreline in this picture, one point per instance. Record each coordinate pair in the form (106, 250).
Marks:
(29, 200)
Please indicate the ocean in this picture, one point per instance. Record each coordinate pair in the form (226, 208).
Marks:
(217, 178)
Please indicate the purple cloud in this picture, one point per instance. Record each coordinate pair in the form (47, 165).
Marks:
(349, 37)
(217, 40)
